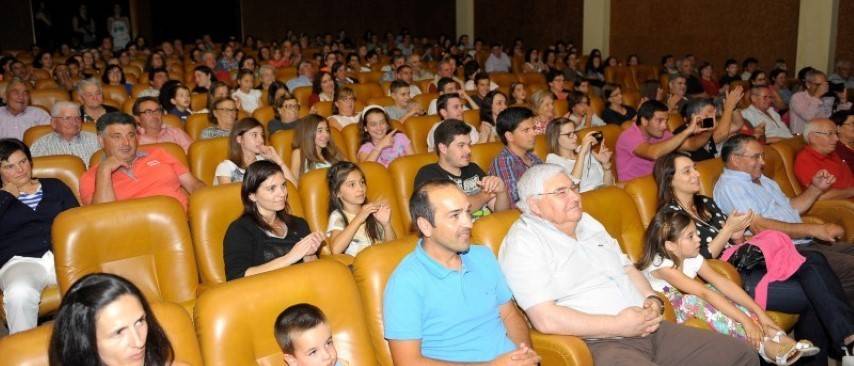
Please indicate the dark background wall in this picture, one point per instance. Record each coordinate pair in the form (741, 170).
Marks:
(845, 31)
(539, 23)
(270, 19)
(711, 29)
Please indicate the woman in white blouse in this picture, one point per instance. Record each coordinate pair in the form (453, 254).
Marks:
(586, 166)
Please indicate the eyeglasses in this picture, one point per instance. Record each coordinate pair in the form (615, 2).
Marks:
(291, 106)
(230, 110)
(753, 156)
(827, 133)
(561, 192)
(151, 111)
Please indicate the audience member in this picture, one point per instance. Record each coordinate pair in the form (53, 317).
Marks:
(379, 142)
(580, 112)
(27, 209)
(821, 136)
(224, 115)
(156, 78)
(126, 172)
(498, 61)
(810, 103)
(354, 223)
(178, 102)
(587, 168)
(615, 111)
(304, 76)
(151, 130)
(844, 121)
(202, 78)
(246, 144)
(590, 289)
(68, 137)
(313, 147)
(450, 106)
(305, 337)
(403, 107)
(91, 98)
(266, 236)
(516, 131)
(422, 316)
(323, 89)
(17, 115)
(486, 193)
(842, 74)
(344, 109)
(761, 115)
(249, 98)
(285, 113)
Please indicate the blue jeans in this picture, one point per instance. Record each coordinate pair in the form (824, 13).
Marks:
(814, 293)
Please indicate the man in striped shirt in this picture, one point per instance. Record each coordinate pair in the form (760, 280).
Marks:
(67, 137)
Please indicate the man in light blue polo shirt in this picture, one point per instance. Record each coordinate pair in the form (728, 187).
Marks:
(447, 302)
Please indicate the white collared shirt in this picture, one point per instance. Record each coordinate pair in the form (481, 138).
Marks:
(774, 126)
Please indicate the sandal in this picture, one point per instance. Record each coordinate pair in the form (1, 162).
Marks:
(806, 347)
(781, 357)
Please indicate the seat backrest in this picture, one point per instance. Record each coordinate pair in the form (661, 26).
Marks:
(282, 141)
(623, 224)
(235, 321)
(787, 154)
(195, 124)
(775, 168)
(503, 78)
(364, 91)
(302, 94)
(67, 168)
(491, 229)
(425, 98)
(205, 155)
(286, 73)
(352, 136)
(403, 171)
(383, 101)
(709, 170)
(323, 108)
(372, 269)
(32, 134)
(264, 115)
(644, 193)
(532, 77)
(199, 101)
(171, 148)
(561, 107)
(314, 194)
(369, 76)
(416, 128)
(173, 121)
(472, 118)
(118, 93)
(211, 211)
(150, 245)
(482, 154)
(541, 147)
(31, 347)
(47, 97)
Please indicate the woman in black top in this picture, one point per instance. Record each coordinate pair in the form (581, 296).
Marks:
(27, 209)
(615, 111)
(813, 291)
(266, 237)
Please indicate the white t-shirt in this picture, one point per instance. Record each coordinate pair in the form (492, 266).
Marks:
(229, 169)
(249, 102)
(690, 267)
(345, 121)
(592, 176)
(595, 121)
(360, 241)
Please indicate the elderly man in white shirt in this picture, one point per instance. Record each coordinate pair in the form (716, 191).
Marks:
(498, 61)
(67, 137)
(571, 278)
(17, 116)
(761, 113)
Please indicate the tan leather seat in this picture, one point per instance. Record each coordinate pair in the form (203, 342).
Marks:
(364, 91)
(211, 210)
(282, 141)
(32, 134)
(352, 138)
(541, 147)
(403, 171)
(383, 101)
(631, 98)
(674, 121)
(482, 154)
(115, 93)
(372, 269)
(503, 78)
(173, 121)
(145, 240)
(235, 320)
(302, 94)
(286, 73)
(205, 155)
(472, 117)
(67, 168)
(644, 193)
(198, 101)
(425, 98)
(46, 84)
(195, 124)
(416, 128)
(623, 223)
(561, 107)
(31, 347)
(532, 78)
(610, 132)
(264, 115)
(45, 98)
(314, 194)
(369, 77)
(171, 148)
(323, 108)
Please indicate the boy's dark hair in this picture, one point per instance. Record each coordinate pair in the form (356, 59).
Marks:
(398, 84)
(296, 318)
(509, 119)
(448, 130)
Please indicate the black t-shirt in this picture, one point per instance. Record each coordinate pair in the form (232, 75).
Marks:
(726, 79)
(467, 180)
(707, 229)
(614, 117)
(247, 245)
(276, 125)
(705, 152)
(693, 85)
(88, 118)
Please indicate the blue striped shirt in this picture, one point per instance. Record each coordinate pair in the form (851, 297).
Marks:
(32, 199)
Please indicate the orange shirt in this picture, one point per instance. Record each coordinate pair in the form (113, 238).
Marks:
(153, 173)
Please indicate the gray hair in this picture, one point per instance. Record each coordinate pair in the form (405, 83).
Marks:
(809, 127)
(82, 84)
(531, 183)
(62, 105)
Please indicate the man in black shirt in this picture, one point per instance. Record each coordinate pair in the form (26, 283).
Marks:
(453, 144)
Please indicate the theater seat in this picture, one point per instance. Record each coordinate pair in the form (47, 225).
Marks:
(282, 141)
(67, 168)
(211, 210)
(116, 93)
(31, 347)
(199, 101)
(302, 94)
(173, 149)
(482, 154)
(264, 115)
(145, 240)
(45, 98)
(424, 99)
(364, 91)
(32, 134)
(623, 223)
(314, 194)
(541, 147)
(323, 109)
(383, 101)
(372, 269)
(403, 171)
(561, 107)
(205, 155)
(503, 78)
(416, 128)
(644, 193)
(195, 124)
(235, 320)
(352, 138)
(472, 117)
(173, 121)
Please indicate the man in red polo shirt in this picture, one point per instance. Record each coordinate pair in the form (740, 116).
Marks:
(127, 173)
(820, 154)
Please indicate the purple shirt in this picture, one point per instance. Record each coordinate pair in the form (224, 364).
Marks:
(396, 150)
(14, 126)
(629, 164)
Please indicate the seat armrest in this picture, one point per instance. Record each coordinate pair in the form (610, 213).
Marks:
(561, 350)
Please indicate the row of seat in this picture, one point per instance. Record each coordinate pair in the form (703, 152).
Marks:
(233, 321)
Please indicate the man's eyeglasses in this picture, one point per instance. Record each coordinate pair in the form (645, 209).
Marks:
(230, 110)
(561, 192)
(69, 119)
(753, 156)
(827, 133)
(151, 111)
